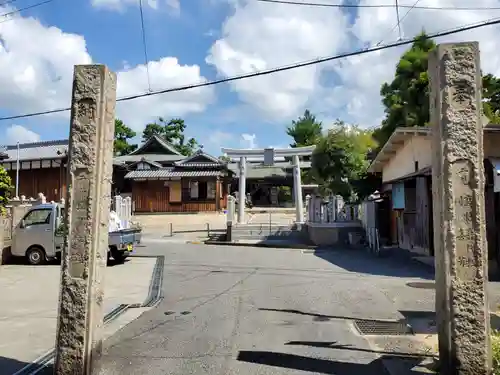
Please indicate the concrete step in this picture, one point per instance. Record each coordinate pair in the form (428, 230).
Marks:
(271, 237)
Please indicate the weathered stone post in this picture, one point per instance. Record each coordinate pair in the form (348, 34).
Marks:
(459, 214)
(231, 203)
(80, 320)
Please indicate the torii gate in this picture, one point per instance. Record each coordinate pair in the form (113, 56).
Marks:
(269, 155)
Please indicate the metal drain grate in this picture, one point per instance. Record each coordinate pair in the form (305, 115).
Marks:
(382, 328)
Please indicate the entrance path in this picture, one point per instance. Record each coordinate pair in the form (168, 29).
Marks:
(232, 310)
(28, 306)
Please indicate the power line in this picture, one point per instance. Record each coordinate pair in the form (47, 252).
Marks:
(291, 2)
(490, 22)
(21, 9)
(399, 23)
(144, 44)
(7, 2)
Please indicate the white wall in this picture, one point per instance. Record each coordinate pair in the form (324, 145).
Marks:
(416, 148)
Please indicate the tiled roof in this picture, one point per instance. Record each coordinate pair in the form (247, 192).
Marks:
(158, 158)
(278, 164)
(199, 165)
(146, 161)
(259, 171)
(200, 154)
(167, 173)
(37, 151)
(155, 138)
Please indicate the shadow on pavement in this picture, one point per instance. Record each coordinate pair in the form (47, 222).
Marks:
(323, 366)
(316, 316)
(335, 345)
(9, 366)
(390, 264)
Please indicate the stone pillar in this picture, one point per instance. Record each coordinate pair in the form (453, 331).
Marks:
(128, 205)
(230, 217)
(459, 216)
(242, 188)
(80, 321)
(297, 187)
(308, 207)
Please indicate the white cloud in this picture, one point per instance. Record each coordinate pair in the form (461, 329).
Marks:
(36, 64)
(362, 76)
(18, 133)
(259, 36)
(248, 141)
(36, 72)
(164, 73)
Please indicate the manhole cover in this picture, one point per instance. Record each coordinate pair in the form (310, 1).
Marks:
(381, 328)
(421, 285)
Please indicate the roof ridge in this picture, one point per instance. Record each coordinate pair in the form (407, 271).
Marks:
(59, 142)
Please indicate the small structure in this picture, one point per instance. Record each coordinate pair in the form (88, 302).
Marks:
(42, 167)
(269, 155)
(404, 208)
(161, 179)
(269, 186)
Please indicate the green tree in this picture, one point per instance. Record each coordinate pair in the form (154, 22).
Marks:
(123, 134)
(5, 189)
(305, 131)
(491, 96)
(340, 161)
(406, 98)
(152, 129)
(173, 132)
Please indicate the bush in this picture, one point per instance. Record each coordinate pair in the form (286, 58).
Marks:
(5, 189)
(495, 351)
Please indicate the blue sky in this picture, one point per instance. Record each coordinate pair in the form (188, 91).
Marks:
(189, 41)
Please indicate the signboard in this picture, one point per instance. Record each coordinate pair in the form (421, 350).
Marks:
(398, 196)
(269, 156)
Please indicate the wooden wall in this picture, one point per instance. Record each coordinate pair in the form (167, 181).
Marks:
(414, 225)
(49, 181)
(153, 196)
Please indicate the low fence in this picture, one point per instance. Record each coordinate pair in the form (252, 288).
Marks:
(122, 206)
(330, 210)
(368, 218)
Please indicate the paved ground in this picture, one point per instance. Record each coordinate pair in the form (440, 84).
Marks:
(28, 306)
(230, 310)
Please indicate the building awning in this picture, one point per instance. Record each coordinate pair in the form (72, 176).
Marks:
(427, 171)
(159, 174)
(496, 174)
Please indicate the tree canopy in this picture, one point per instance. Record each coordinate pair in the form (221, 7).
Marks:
(406, 98)
(123, 134)
(173, 132)
(340, 161)
(305, 131)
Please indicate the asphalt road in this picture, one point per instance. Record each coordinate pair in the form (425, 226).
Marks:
(242, 310)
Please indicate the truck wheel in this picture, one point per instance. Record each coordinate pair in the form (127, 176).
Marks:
(36, 256)
(119, 256)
